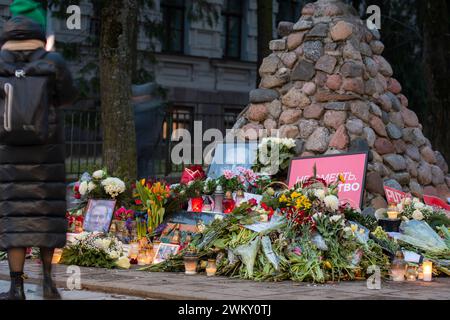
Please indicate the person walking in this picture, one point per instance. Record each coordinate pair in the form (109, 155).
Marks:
(34, 84)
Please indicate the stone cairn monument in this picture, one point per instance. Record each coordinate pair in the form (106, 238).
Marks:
(327, 85)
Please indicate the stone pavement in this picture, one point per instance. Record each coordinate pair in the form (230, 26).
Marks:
(34, 292)
(178, 286)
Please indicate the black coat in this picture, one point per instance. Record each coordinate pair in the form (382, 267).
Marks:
(32, 178)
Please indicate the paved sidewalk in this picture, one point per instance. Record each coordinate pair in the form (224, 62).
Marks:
(199, 287)
(34, 292)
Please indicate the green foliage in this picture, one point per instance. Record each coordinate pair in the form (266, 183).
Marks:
(367, 221)
(87, 258)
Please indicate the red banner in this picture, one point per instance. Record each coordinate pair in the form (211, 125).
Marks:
(436, 202)
(394, 195)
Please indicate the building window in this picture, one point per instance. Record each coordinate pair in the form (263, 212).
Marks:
(288, 10)
(232, 26)
(173, 26)
(179, 118)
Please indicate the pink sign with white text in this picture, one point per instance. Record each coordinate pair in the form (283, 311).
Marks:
(351, 166)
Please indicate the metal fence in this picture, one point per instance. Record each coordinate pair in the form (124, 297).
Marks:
(154, 130)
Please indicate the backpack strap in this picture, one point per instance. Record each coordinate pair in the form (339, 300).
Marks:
(38, 54)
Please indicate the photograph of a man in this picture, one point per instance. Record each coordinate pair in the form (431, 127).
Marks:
(99, 215)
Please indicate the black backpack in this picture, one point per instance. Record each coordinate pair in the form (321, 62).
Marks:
(25, 99)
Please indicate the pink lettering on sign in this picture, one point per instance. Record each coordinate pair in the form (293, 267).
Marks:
(394, 195)
(351, 166)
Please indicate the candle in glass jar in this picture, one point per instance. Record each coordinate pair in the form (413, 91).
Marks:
(392, 212)
(190, 264)
(134, 250)
(57, 256)
(427, 271)
(142, 259)
(420, 273)
(197, 204)
(211, 268)
(411, 273)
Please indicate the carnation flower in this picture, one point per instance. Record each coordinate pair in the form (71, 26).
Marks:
(419, 205)
(320, 194)
(91, 186)
(83, 188)
(417, 215)
(407, 201)
(98, 174)
(332, 202)
(113, 186)
(114, 255)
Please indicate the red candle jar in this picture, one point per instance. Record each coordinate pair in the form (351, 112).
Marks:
(228, 203)
(197, 204)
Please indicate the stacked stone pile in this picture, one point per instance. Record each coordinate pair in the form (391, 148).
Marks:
(327, 85)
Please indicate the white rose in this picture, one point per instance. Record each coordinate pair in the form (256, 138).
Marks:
(91, 186)
(114, 255)
(419, 205)
(83, 188)
(407, 201)
(417, 215)
(332, 202)
(264, 218)
(320, 194)
(98, 174)
(218, 217)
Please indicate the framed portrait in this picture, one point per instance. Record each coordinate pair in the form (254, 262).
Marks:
(230, 156)
(165, 250)
(99, 214)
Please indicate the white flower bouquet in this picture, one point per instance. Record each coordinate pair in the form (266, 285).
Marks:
(274, 155)
(93, 250)
(99, 185)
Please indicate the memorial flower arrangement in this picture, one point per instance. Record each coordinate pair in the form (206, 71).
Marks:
(231, 181)
(414, 209)
(93, 250)
(153, 196)
(122, 214)
(75, 219)
(306, 238)
(98, 185)
(274, 155)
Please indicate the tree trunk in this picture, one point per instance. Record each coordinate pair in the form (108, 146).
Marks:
(117, 45)
(265, 31)
(436, 50)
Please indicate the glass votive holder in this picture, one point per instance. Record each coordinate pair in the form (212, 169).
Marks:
(211, 268)
(190, 264)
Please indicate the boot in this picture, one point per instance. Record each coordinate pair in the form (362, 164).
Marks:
(50, 291)
(16, 291)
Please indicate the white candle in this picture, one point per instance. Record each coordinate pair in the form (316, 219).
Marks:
(427, 271)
